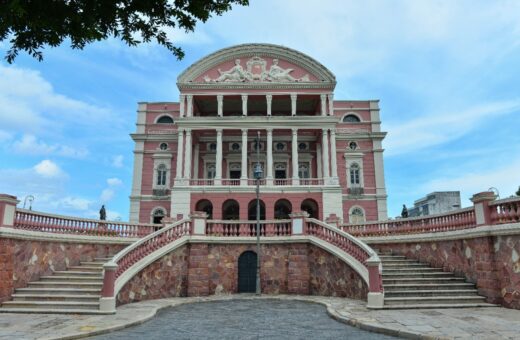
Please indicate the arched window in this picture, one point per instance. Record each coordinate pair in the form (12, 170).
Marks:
(165, 120)
(351, 119)
(356, 216)
(161, 174)
(211, 170)
(303, 170)
(355, 177)
(158, 215)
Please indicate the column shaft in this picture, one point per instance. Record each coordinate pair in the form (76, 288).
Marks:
(331, 104)
(269, 165)
(333, 156)
(294, 96)
(218, 160)
(269, 100)
(323, 104)
(325, 154)
(196, 162)
(190, 106)
(182, 100)
(295, 157)
(244, 104)
(220, 105)
(187, 155)
(243, 168)
(180, 149)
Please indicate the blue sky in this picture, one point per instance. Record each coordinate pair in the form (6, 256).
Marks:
(447, 74)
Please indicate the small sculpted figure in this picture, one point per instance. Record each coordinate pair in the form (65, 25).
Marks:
(102, 213)
(236, 73)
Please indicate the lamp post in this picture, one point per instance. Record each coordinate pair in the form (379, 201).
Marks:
(29, 198)
(258, 175)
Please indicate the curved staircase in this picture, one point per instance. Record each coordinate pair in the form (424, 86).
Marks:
(410, 284)
(75, 290)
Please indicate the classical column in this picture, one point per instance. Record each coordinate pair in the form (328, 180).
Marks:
(319, 159)
(220, 105)
(295, 177)
(182, 100)
(294, 96)
(269, 99)
(243, 168)
(187, 155)
(269, 165)
(331, 104)
(190, 106)
(244, 104)
(180, 149)
(196, 161)
(218, 160)
(325, 154)
(333, 160)
(323, 104)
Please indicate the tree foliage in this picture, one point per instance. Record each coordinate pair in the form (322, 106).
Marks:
(518, 191)
(30, 25)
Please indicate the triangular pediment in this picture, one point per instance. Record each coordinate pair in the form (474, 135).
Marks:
(254, 65)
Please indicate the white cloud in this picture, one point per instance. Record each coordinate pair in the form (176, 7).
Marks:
(505, 178)
(435, 129)
(48, 169)
(5, 136)
(74, 203)
(117, 161)
(30, 145)
(107, 195)
(113, 182)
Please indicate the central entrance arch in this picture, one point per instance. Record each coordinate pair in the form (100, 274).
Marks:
(247, 272)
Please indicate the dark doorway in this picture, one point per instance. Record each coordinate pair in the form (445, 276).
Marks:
(251, 210)
(282, 209)
(247, 272)
(230, 210)
(311, 207)
(206, 206)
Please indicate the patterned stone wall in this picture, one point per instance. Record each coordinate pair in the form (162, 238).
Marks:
(330, 276)
(23, 261)
(166, 277)
(207, 269)
(492, 263)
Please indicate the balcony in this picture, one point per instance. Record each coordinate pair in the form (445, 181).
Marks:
(160, 192)
(282, 182)
(356, 191)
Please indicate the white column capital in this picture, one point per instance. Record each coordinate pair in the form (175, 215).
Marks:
(219, 130)
(269, 130)
(324, 130)
(294, 131)
(220, 97)
(269, 97)
(187, 130)
(244, 131)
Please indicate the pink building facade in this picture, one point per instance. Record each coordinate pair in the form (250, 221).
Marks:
(319, 155)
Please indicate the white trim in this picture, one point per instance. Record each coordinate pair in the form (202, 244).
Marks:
(31, 235)
(348, 163)
(165, 160)
(154, 209)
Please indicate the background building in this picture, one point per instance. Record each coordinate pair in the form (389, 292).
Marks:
(320, 155)
(437, 202)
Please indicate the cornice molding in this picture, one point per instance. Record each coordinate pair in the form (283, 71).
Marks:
(30, 235)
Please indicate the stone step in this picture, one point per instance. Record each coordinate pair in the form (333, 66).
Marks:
(76, 273)
(105, 259)
(86, 268)
(421, 280)
(434, 299)
(72, 278)
(59, 291)
(423, 269)
(392, 257)
(65, 284)
(427, 286)
(51, 304)
(440, 305)
(91, 264)
(57, 297)
(397, 275)
(53, 311)
(430, 292)
(404, 265)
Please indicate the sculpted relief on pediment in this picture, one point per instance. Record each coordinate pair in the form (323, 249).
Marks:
(256, 71)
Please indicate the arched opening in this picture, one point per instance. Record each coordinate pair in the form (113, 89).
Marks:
(310, 206)
(356, 215)
(282, 209)
(251, 210)
(165, 120)
(247, 272)
(206, 206)
(157, 216)
(350, 118)
(230, 210)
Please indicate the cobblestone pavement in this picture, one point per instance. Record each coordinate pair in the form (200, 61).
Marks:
(468, 323)
(244, 319)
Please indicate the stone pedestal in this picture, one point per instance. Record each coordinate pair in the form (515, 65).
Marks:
(198, 219)
(298, 222)
(7, 210)
(481, 203)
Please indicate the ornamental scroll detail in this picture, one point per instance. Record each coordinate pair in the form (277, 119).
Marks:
(256, 71)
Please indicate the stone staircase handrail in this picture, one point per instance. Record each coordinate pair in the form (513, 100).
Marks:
(54, 223)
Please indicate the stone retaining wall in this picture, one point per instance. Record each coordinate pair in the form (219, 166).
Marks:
(205, 269)
(23, 261)
(491, 262)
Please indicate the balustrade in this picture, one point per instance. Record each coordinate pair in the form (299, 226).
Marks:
(37, 221)
(232, 228)
(505, 211)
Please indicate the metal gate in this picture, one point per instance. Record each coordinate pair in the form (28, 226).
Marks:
(247, 272)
